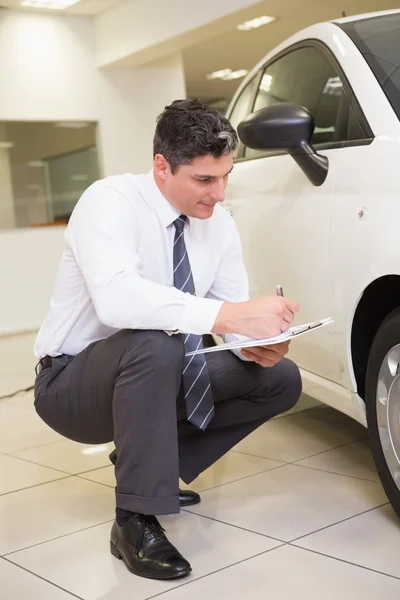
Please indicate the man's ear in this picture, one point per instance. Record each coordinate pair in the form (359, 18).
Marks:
(161, 167)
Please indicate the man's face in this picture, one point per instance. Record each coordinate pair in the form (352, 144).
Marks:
(194, 189)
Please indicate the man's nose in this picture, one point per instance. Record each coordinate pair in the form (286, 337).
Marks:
(218, 191)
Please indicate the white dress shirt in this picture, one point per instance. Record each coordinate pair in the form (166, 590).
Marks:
(116, 271)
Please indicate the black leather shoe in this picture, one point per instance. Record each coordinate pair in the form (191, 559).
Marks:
(187, 498)
(145, 550)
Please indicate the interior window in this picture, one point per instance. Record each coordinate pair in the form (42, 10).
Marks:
(242, 107)
(306, 77)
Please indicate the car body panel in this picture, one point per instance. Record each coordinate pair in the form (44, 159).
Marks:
(324, 244)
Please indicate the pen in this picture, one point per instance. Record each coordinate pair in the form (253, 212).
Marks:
(279, 290)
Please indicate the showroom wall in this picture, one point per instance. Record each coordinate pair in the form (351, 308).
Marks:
(49, 72)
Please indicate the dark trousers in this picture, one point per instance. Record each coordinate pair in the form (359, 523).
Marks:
(127, 388)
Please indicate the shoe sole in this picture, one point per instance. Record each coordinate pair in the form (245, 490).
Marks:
(115, 552)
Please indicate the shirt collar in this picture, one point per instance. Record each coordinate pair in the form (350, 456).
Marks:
(165, 211)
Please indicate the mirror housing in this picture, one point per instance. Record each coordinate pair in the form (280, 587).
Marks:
(287, 127)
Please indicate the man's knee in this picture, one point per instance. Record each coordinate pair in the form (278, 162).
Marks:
(162, 350)
(290, 384)
(280, 386)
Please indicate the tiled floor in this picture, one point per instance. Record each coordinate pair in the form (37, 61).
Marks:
(294, 511)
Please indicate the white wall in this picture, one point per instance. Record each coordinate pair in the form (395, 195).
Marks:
(28, 264)
(48, 72)
(46, 68)
(138, 95)
(147, 30)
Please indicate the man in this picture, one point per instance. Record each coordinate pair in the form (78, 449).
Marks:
(151, 264)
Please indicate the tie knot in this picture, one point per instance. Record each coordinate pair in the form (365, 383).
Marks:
(180, 223)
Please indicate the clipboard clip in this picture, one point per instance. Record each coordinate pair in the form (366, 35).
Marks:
(304, 328)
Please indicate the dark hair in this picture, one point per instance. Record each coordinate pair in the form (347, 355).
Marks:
(188, 129)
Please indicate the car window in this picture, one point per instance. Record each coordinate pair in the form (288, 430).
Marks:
(377, 39)
(305, 76)
(243, 106)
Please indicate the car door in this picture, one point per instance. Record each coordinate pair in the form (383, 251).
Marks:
(283, 219)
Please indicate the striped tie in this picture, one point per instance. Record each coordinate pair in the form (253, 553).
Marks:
(196, 383)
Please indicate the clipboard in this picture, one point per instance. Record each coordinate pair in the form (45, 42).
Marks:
(289, 335)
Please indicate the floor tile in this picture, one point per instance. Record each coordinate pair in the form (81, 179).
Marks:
(17, 362)
(59, 526)
(305, 403)
(47, 511)
(17, 474)
(354, 460)
(69, 456)
(290, 573)
(22, 400)
(207, 545)
(231, 467)
(371, 540)
(105, 476)
(289, 502)
(12, 382)
(21, 429)
(302, 435)
(18, 584)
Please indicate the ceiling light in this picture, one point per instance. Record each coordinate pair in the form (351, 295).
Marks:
(49, 4)
(236, 74)
(227, 74)
(266, 82)
(36, 164)
(333, 87)
(219, 74)
(255, 23)
(78, 177)
(71, 124)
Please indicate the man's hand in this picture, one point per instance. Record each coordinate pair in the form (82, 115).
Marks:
(257, 318)
(266, 356)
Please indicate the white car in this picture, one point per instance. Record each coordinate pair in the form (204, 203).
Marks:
(315, 193)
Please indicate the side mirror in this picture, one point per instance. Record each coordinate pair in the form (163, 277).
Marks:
(286, 127)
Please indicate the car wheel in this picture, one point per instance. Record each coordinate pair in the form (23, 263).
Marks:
(383, 405)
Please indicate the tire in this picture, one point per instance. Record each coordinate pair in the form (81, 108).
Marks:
(383, 405)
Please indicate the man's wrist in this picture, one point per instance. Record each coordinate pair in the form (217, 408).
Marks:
(226, 319)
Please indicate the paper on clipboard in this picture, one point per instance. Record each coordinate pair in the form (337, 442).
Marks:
(292, 333)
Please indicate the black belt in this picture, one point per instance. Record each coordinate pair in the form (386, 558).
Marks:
(44, 363)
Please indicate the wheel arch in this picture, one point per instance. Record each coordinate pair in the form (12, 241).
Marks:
(379, 299)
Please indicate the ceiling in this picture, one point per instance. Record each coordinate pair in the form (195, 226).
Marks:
(239, 49)
(83, 7)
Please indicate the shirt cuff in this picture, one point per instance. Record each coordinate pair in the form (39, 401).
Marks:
(199, 315)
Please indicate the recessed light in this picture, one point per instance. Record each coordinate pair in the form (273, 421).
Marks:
(227, 74)
(266, 83)
(36, 164)
(78, 177)
(71, 124)
(236, 74)
(219, 74)
(255, 23)
(48, 4)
